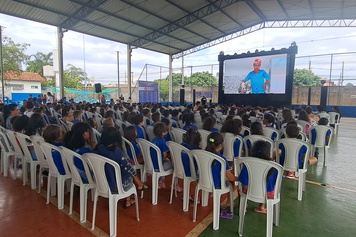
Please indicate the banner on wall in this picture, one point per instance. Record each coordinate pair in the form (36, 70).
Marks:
(148, 91)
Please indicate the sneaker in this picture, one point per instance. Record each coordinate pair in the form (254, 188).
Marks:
(225, 214)
(290, 175)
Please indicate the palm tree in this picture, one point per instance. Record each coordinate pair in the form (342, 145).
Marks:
(40, 60)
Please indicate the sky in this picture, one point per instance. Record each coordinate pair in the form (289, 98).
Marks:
(98, 57)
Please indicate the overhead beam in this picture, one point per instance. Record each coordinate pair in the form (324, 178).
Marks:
(186, 20)
(271, 24)
(228, 16)
(87, 8)
(259, 13)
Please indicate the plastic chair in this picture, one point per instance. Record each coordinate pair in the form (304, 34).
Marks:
(89, 184)
(205, 183)
(303, 124)
(136, 165)
(271, 133)
(244, 128)
(229, 146)
(24, 142)
(41, 158)
(257, 175)
(178, 135)
(18, 154)
(334, 120)
(292, 150)
(250, 139)
(177, 151)
(6, 153)
(149, 131)
(146, 148)
(320, 137)
(97, 164)
(48, 150)
(204, 137)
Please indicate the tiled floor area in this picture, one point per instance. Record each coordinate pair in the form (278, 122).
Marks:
(327, 209)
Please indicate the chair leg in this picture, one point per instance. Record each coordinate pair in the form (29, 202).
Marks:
(39, 179)
(269, 218)
(172, 188)
(325, 156)
(186, 194)
(94, 209)
(300, 186)
(33, 166)
(137, 210)
(195, 203)
(60, 191)
(71, 198)
(48, 187)
(112, 215)
(205, 198)
(277, 210)
(24, 171)
(242, 210)
(216, 210)
(83, 203)
(155, 180)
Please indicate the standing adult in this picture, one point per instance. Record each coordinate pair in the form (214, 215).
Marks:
(49, 98)
(259, 79)
(203, 100)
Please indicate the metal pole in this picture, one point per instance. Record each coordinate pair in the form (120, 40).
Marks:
(2, 68)
(85, 71)
(118, 73)
(129, 51)
(331, 69)
(60, 33)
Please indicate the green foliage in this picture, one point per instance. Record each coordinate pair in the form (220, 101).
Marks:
(74, 77)
(37, 61)
(305, 77)
(13, 55)
(349, 84)
(197, 79)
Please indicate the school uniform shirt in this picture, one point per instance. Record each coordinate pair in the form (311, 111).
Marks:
(215, 169)
(161, 143)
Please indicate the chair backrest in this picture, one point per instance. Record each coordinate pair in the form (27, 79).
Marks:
(70, 157)
(146, 147)
(39, 153)
(121, 124)
(304, 125)
(178, 135)
(251, 139)
(318, 135)
(204, 161)
(149, 131)
(271, 133)
(257, 176)
(177, 151)
(64, 125)
(229, 146)
(48, 150)
(334, 118)
(244, 128)
(97, 164)
(126, 143)
(4, 142)
(293, 148)
(204, 137)
(24, 141)
(12, 138)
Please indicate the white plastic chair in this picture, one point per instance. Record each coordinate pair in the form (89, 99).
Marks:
(204, 137)
(244, 128)
(146, 147)
(178, 135)
(318, 139)
(48, 150)
(250, 140)
(89, 184)
(136, 165)
(18, 154)
(176, 151)
(205, 183)
(97, 164)
(229, 142)
(304, 125)
(334, 120)
(292, 148)
(256, 192)
(40, 156)
(149, 131)
(6, 153)
(24, 142)
(271, 133)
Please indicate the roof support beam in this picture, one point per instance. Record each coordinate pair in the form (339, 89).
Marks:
(186, 20)
(272, 24)
(228, 16)
(259, 13)
(85, 10)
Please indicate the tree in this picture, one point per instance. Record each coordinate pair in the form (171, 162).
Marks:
(202, 79)
(74, 77)
(305, 77)
(163, 85)
(349, 84)
(13, 55)
(39, 60)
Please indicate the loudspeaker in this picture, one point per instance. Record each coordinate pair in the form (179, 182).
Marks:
(193, 96)
(97, 88)
(181, 96)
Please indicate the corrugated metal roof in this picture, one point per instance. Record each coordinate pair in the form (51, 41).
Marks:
(172, 26)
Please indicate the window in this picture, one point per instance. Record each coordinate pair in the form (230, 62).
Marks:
(34, 87)
(17, 86)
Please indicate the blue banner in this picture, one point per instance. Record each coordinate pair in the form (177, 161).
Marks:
(148, 91)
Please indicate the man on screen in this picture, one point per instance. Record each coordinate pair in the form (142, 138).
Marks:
(259, 79)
